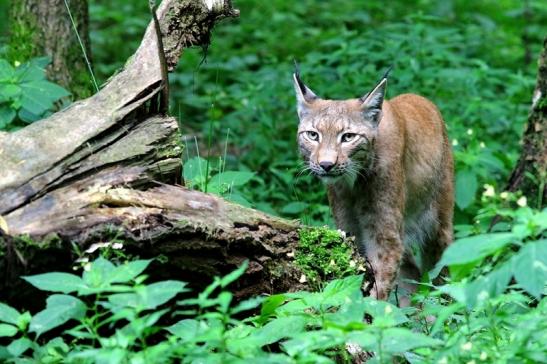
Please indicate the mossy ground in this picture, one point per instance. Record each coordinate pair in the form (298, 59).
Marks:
(325, 254)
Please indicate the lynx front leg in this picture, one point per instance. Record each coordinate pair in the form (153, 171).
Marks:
(385, 253)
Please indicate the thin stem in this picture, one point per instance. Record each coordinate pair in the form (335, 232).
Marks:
(88, 63)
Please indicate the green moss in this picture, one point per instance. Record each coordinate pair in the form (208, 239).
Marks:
(325, 254)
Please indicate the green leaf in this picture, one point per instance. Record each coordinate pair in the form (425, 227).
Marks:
(99, 274)
(40, 62)
(126, 272)
(530, 267)
(7, 114)
(9, 91)
(194, 172)
(34, 104)
(187, 329)
(399, 340)
(487, 286)
(158, 293)
(39, 96)
(270, 305)
(384, 313)
(7, 71)
(248, 304)
(9, 314)
(54, 92)
(278, 329)
(56, 282)
(474, 248)
(339, 290)
(224, 181)
(27, 116)
(24, 320)
(150, 296)
(59, 309)
(7, 330)
(466, 188)
(29, 72)
(314, 340)
(231, 277)
(19, 346)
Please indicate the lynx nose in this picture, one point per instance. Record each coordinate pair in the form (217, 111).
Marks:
(327, 166)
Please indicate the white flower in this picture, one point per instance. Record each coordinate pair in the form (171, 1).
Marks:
(87, 267)
(332, 262)
(482, 145)
(467, 346)
(290, 254)
(303, 279)
(16, 63)
(454, 142)
(96, 246)
(522, 202)
(469, 131)
(504, 195)
(488, 191)
(117, 246)
(352, 263)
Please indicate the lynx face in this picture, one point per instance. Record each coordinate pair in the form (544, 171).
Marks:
(336, 137)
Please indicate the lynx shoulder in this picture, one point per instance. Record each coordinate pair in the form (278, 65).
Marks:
(388, 168)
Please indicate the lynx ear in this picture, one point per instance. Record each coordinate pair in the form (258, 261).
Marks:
(372, 102)
(304, 96)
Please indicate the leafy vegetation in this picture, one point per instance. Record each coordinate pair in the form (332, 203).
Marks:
(110, 315)
(25, 93)
(470, 58)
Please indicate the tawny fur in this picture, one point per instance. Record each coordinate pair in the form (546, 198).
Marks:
(392, 187)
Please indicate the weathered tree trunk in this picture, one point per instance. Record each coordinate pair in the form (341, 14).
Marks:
(44, 28)
(530, 173)
(195, 236)
(97, 173)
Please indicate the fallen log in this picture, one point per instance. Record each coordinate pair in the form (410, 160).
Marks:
(102, 172)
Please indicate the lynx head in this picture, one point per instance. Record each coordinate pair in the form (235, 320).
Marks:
(336, 137)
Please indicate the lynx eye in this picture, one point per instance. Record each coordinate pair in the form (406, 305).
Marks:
(348, 137)
(313, 135)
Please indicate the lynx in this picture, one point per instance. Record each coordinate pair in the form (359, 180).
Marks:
(389, 173)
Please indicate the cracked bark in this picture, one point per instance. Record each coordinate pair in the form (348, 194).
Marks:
(105, 170)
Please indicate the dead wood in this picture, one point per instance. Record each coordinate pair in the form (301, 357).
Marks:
(104, 169)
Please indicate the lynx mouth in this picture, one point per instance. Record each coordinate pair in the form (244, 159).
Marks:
(330, 179)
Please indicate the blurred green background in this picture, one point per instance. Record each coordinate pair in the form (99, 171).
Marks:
(475, 59)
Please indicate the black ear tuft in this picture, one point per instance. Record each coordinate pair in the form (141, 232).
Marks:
(386, 74)
(299, 82)
(304, 96)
